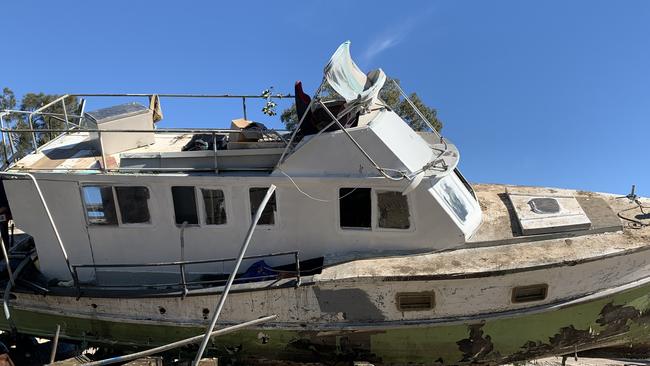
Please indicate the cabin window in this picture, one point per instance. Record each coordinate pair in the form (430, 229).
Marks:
(215, 206)
(393, 210)
(355, 208)
(100, 205)
(133, 203)
(185, 205)
(529, 293)
(268, 215)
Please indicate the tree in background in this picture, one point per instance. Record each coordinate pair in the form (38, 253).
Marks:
(391, 96)
(30, 102)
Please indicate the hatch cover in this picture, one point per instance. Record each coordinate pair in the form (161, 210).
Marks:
(548, 214)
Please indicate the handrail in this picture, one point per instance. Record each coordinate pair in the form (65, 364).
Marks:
(181, 265)
(49, 216)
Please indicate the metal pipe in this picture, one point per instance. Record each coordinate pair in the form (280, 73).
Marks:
(243, 101)
(182, 265)
(276, 96)
(181, 343)
(51, 103)
(370, 159)
(55, 343)
(231, 278)
(49, 216)
(416, 109)
(49, 114)
(158, 130)
(295, 131)
(101, 150)
(6, 257)
(5, 298)
(176, 263)
(31, 126)
(65, 115)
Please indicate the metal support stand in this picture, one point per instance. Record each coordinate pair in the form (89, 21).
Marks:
(231, 278)
(55, 343)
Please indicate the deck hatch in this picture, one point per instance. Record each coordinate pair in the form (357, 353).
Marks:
(544, 212)
(415, 301)
(529, 293)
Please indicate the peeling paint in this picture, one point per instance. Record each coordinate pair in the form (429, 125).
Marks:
(352, 304)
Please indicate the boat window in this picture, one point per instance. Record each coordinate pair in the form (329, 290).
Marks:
(450, 192)
(215, 206)
(268, 215)
(393, 210)
(185, 205)
(355, 208)
(99, 204)
(133, 203)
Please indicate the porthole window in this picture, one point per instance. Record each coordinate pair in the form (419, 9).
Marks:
(529, 293)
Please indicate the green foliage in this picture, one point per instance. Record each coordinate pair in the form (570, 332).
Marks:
(391, 96)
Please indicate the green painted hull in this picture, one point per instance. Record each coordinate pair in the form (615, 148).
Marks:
(621, 318)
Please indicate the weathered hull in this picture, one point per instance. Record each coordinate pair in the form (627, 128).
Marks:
(614, 319)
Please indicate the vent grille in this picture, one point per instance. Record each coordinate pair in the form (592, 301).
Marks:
(529, 293)
(415, 301)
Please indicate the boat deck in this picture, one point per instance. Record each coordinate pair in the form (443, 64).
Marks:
(77, 151)
(497, 247)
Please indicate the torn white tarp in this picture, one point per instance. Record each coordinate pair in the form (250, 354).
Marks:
(349, 81)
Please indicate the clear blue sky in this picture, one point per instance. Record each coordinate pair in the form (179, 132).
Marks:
(551, 93)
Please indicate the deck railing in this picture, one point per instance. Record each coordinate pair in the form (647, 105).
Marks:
(183, 284)
(72, 123)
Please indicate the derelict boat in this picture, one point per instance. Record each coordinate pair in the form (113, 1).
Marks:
(373, 246)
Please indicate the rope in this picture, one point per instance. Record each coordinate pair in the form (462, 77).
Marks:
(634, 223)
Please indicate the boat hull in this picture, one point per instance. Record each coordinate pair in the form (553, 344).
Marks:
(617, 318)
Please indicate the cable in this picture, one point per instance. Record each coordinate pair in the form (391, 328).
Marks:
(310, 196)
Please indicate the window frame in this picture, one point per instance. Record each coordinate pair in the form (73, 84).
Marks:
(374, 212)
(409, 206)
(118, 211)
(196, 206)
(249, 207)
(85, 207)
(203, 211)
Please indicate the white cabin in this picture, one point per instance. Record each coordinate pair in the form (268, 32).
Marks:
(122, 192)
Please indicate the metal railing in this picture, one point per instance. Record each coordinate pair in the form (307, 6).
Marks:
(72, 123)
(183, 284)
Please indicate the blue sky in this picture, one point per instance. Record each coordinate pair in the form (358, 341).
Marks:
(550, 93)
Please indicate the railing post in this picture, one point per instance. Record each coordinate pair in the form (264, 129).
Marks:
(182, 265)
(65, 115)
(214, 149)
(298, 279)
(243, 102)
(31, 127)
(101, 148)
